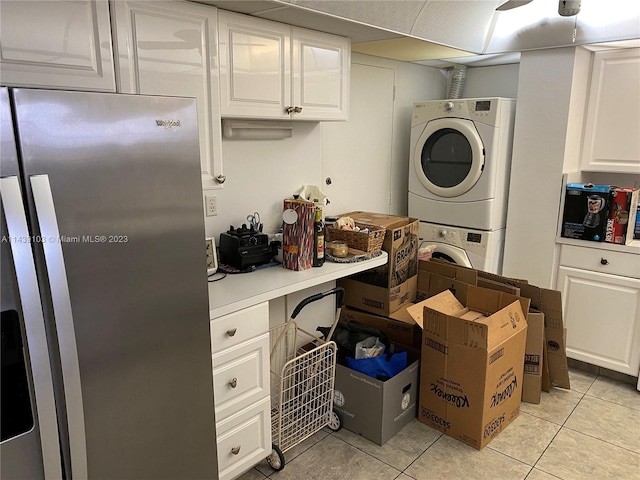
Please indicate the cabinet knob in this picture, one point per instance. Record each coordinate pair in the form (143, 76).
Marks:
(232, 331)
(604, 261)
(233, 383)
(221, 179)
(289, 110)
(328, 181)
(235, 450)
(297, 109)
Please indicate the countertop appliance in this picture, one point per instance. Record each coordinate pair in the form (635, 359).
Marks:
(106, 356)
(244, 247)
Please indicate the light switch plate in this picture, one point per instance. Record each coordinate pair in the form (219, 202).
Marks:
(212, 257)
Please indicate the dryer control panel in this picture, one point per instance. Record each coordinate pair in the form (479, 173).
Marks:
(473, 241)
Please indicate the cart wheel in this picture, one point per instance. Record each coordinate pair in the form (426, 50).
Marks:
(276, 459)
(335, 421)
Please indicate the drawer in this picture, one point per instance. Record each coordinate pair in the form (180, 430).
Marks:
(241, 376)
(600, 260)
(239, 326)
(243, 440)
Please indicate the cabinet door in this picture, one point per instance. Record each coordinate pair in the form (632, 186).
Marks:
(169, 48)
(602, 316)
(321, 77)
(611, 141)
(255, 78)
(62, 44)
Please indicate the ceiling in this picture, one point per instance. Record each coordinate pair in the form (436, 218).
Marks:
(444, 32)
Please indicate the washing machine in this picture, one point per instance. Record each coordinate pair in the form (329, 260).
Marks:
(460, 157)
(479, 249)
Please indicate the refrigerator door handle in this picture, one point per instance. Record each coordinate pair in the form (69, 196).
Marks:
(56, 270)
(37, 346)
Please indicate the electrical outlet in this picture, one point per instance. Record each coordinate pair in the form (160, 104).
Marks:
(211, 205)
(212, 257)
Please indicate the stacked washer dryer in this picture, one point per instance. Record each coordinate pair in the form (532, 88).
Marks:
(459, 177)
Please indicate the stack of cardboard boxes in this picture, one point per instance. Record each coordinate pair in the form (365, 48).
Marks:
(484, 343)
(375, 409)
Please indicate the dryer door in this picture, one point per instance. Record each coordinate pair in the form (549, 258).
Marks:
(451, 254)
(449, 156)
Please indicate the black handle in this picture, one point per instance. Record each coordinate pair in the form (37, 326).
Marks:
(604, 261)
(338, 292)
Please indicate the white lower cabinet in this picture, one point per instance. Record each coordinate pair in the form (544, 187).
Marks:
(601, 306)
(243, 439)
(240, 359)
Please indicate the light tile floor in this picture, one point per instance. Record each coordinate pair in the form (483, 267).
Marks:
(589, 432)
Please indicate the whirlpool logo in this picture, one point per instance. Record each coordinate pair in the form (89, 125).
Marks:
(168, 123)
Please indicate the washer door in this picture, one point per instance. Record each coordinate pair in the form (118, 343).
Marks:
(451, 254)
(449, 157)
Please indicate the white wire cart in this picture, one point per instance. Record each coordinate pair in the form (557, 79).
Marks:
(303, 368)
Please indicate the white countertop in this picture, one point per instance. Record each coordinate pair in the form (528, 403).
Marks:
(241, 290)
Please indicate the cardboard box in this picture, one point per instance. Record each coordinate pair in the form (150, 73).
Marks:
(549, 302)
(379, 300)
(297, 237)
(400, 242)
(402, 330)
(586, 210)
(622, 215)
(471, 371)
(533, 358)
(374, 409)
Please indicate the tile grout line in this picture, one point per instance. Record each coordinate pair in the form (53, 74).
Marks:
(561, 427)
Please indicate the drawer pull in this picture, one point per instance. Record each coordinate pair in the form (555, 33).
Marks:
(231, 332)
(604, 261)
(235, 450)
(233, 382)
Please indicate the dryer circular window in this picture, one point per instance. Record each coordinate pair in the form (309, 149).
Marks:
(449, 157)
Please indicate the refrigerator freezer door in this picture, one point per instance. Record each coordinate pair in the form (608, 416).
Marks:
(125, 186)
(30, 444)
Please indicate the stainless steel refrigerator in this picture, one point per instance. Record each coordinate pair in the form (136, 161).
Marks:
(106, 356)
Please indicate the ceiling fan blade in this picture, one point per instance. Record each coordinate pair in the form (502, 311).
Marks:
(509, 4)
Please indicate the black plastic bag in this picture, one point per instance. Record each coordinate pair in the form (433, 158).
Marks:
(346, 335)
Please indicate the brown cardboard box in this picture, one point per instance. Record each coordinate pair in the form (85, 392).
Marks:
(379, 300)
(549, 302)
(434, 278)
(397, 330)
(533, 357)
(471, 371)
(400, 242)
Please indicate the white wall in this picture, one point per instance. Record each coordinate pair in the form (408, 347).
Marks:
(540, 143)
(261, 173)
(496, 81)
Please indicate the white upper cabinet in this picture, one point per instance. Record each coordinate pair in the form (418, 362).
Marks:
(272, 70)
(321, 75)
(169, 48)
(255, 67)
(62, 44)
(612, 127)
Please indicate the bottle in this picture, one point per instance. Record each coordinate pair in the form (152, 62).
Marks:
(318, 239)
